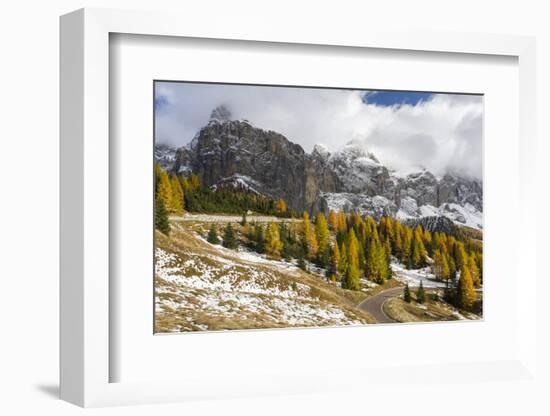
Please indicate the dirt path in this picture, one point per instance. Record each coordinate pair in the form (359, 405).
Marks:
(375, 304)
(219, 218)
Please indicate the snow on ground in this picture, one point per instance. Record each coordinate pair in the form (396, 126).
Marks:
(242, 253)
(224, 288)
(375, 206)
(229, 218)
(414, 277)
(464, 215)
(242, 182)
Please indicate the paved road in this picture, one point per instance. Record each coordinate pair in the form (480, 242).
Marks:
(374, 304)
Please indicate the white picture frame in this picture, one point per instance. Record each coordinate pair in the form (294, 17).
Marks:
(86, 356)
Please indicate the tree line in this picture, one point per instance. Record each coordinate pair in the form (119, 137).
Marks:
(176, 194)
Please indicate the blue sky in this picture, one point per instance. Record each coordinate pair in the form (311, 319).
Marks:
(391, 98)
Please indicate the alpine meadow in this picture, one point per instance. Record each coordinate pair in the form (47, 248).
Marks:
(279, 207)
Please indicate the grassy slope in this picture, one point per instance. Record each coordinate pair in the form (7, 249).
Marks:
(183, 308)
(429, 311)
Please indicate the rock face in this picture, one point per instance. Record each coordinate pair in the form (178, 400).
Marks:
(226, 149)
(165, 155)
(361, 172)
(235, 152)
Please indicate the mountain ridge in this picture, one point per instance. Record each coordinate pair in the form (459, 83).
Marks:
(350, 178)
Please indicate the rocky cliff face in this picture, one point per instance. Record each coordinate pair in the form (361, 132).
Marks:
(235, 152)
(165, 155)
(226, 150)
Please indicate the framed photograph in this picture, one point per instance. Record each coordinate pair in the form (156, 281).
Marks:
(228, 198)
(372, 213)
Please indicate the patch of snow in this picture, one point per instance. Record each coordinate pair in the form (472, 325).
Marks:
(375, 206)
(414, 277)
(209, 218)
(241, 182)
(229, 287)
(464, 215)
(428, 211)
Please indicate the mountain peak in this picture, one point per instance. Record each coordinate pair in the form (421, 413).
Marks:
(321, 150)
(221, 113)
(356, 150)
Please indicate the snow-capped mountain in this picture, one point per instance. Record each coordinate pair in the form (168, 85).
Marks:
(165, 155)
(234, 152)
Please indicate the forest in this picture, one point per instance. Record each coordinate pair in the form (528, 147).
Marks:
(348, 247)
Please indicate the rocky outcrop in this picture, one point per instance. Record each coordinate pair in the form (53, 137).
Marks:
(279, 168)
(361, 172)
(165, 156)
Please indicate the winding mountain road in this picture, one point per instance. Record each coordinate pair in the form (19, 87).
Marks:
(375, 305)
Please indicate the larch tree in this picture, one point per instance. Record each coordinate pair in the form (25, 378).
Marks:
(352, 278)
(406, 239)
(333, 220)
(281, 207)
(342, 221)
(418, 255)
(440, 266)
(184, 184)
(466, 294)
(397, 246)
(322, 236)
(273, 243)
(194, 183)
(308, 238)
(177, 196)
(474, 270)
(461, 258)
(158, 171)
(343, 264)
(427, 240)
(479, 262)
(164, 193)
(334, 261)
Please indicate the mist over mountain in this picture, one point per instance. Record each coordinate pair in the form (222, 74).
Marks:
(236, 153)
(441, 132)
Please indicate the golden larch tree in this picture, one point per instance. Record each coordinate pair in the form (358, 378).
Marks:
(273, 245)
(322, 236)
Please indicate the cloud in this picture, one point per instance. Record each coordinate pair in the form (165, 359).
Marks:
(441, 133)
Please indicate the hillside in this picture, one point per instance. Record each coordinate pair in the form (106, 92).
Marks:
(201, 286)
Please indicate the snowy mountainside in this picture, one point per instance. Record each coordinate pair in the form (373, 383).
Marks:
(165, 155)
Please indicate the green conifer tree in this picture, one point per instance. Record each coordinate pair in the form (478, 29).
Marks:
(407, 294)
(213, 235)
(161, 217)
(259, 238)
(229, 240)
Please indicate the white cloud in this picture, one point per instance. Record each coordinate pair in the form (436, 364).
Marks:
(440, 134)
